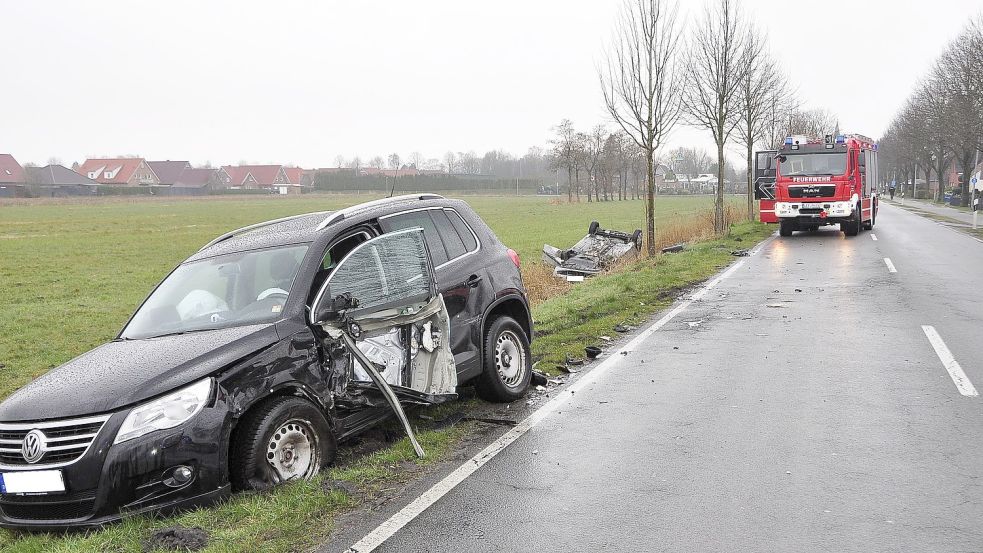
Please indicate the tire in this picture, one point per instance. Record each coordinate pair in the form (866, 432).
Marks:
(503, 381)
(869, 225)
(786, 227)
(592, 229)
(852, 227)
(281, 427)
(636, 238)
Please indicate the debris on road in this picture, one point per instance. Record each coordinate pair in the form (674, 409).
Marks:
(740, 253)
(567, 369)
(592, 352)
(623, 328)
(177, 538)
(575, 361)
(593, 253)
(538, 378)
(673, 249)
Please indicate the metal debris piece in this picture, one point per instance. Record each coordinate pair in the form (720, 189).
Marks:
(592, 352)
(623, 328)
(740, 253)
(673, 249)
(538, 378)
(593, 253)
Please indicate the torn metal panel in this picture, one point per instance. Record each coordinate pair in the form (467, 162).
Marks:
(594, 253)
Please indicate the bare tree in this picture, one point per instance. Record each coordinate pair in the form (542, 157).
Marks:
(961, 70)
(813, 122)
(640, 80)
(339, 161)
(717, 63)
(450, 161)
(564, 151)
(417, 159)
(377, 162)
(762, 88)
(394, 161)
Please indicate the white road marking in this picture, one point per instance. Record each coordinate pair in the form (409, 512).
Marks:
(386, 530)
(890, 266)
(873, 236)
(965, 387)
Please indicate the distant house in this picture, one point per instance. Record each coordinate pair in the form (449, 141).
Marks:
(167, 172)
(57, 180)
(10, 171)
(203, 178)
(126, 171)
(235, 177)
(272, 177)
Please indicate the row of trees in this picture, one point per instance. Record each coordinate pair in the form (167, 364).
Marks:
(720, 77)
(941, 124)
(495, 163)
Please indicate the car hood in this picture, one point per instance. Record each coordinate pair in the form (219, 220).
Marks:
(125, 372)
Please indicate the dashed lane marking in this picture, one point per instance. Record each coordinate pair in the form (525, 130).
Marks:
(890, 266)
(960, 379)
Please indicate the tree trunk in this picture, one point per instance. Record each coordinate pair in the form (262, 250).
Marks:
(650, 203)
(718, 206)
(569, 184)
(750, 182)
(965, 161)
(939, 171)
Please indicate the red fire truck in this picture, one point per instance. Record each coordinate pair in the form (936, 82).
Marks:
(765, 165)
(825, 182)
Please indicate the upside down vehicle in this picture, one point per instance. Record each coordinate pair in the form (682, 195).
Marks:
(819, 182)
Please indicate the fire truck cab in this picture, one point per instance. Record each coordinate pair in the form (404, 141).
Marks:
(826, 181)
(765, 165)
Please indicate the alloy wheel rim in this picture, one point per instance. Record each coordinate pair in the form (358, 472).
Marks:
(510, 358)
(292, 451)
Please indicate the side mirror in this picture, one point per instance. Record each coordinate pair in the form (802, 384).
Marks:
(330, 309)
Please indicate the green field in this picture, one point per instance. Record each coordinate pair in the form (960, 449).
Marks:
(71, 274)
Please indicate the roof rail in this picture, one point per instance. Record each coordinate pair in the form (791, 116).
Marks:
(228, 235)
(348, 211)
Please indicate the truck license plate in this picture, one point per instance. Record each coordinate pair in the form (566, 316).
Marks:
(38, 481)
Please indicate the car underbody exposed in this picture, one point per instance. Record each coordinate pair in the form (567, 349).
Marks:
(593, 253)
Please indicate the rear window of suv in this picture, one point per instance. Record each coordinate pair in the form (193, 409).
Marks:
(446, 233)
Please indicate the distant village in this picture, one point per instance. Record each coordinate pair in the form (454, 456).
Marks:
(100, 175)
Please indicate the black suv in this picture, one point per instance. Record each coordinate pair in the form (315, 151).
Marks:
(248, 364)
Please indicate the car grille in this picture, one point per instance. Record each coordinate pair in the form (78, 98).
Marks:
(65, 441)
(812, 191)
(48, 507)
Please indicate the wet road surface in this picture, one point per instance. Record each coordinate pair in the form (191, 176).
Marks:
(813, 400)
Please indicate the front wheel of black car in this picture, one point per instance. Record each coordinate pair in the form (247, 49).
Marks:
(282, 439)
(507, 362)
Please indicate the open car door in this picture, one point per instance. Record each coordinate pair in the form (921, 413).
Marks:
(386, 325)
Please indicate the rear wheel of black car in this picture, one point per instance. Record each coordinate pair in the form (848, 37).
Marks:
(282, 439)
(592, 229)
(507, 362)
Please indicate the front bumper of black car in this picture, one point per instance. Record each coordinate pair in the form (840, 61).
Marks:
(110, 481)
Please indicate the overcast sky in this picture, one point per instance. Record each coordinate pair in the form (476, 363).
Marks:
(304, 82)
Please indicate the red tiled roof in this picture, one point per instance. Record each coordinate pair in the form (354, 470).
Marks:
(265, 175)
(294, 174)
(10, 170)
(237, 174)
(123, 169)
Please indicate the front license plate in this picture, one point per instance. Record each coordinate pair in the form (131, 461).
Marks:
(38, 481)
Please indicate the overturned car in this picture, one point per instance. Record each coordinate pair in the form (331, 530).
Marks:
(252, 359)
(593, 253)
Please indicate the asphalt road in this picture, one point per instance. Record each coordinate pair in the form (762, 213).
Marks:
(797, 406)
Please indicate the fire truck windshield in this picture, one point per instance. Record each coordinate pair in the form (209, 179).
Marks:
(831, 164)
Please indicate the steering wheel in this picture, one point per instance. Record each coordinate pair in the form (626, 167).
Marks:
(271, 292)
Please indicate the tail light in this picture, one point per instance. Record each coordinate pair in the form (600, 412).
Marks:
(514, 257)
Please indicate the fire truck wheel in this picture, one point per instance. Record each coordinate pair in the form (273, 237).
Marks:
(785, 228)
(852, 227)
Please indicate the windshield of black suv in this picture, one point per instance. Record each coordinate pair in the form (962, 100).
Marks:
(229, 290)
(831, 164)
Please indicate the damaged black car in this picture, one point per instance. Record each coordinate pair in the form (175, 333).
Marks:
(254, 358)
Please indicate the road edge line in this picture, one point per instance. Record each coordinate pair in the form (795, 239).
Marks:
(404, 516)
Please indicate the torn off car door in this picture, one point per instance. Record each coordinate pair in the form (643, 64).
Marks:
(379, 308)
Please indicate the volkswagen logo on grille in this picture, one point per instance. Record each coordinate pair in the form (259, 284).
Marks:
(34, 446)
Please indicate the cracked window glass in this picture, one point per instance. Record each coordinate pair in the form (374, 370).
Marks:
(387, 272)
